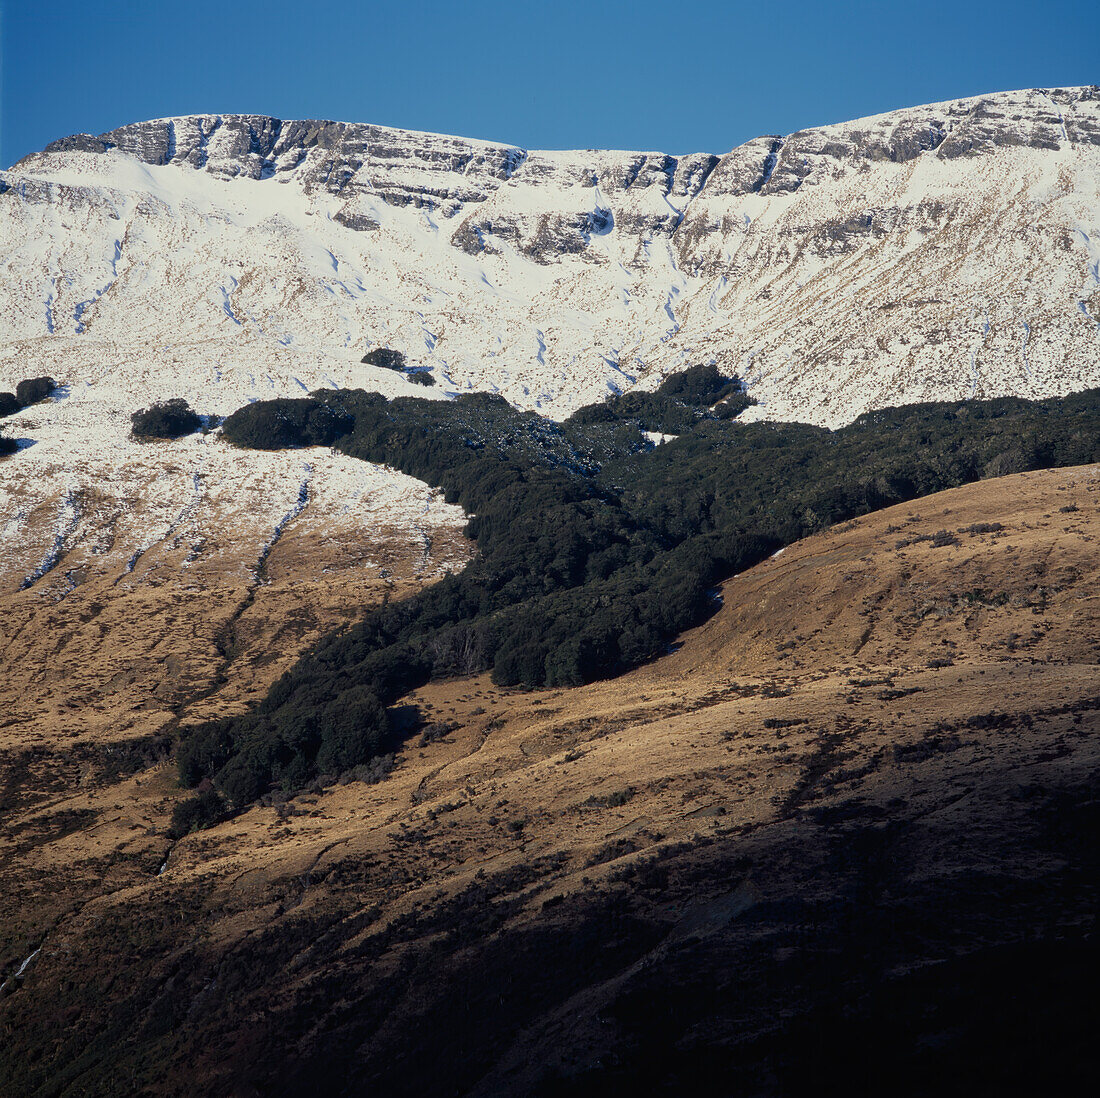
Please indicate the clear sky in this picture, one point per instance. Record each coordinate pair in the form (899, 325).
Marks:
(651, 74)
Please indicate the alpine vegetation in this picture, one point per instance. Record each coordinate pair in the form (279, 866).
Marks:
(595, 548)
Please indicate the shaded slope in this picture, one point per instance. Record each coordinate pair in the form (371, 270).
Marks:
(709, 868)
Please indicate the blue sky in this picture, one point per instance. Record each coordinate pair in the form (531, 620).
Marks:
(645, 75)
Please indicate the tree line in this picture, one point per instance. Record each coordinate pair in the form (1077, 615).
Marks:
(595, 548)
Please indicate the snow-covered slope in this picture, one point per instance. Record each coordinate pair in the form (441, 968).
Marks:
(948, 250)
(945, 251)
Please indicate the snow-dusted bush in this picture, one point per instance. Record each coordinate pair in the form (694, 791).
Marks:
(34, 389)
(386, 358)
(168, 419)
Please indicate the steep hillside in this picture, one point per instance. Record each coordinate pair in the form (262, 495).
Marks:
(938, 252)
(830, 837)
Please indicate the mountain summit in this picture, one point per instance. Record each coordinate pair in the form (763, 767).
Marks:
(949, 250)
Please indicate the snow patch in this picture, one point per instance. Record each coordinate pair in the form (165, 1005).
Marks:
(280, 527)
(18, 974)
(68, 519)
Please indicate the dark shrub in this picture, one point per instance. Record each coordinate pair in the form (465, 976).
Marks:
(354, 725)
(9, 404)
(699, 385)
(195, 813)
(386, 358)
(169, 419)
(1012, 460)
(8, 445)
(732, 406)
(204, 751)
(593, 413)
(248, 774)
(420, 377)
(34, 389)
(277, 424)
(681, 402)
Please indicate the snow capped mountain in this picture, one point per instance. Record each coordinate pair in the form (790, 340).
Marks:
(948, 250)
(944, 251)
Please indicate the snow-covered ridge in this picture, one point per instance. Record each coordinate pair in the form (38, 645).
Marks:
(838, 268)
(439, 170)
(939, 252)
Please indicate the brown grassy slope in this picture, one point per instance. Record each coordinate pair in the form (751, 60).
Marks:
(100, 664)
(879, 753)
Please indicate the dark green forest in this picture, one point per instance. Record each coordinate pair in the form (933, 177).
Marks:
(594, 548)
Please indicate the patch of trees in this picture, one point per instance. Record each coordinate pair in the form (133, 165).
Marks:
(594, 550)
(29, 391)
(794, 479)
(167, 419)
(681, 402)
(701, 386)
(279, 424)
(386, 358)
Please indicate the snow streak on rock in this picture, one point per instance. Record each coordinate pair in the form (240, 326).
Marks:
(68, 519)
(298, 507)
(18, 974)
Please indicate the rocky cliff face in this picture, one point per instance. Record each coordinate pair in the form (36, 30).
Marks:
(342, 158)
(433, 170)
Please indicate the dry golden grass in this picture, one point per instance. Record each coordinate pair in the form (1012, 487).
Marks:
(842, 624)
(865, 665)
